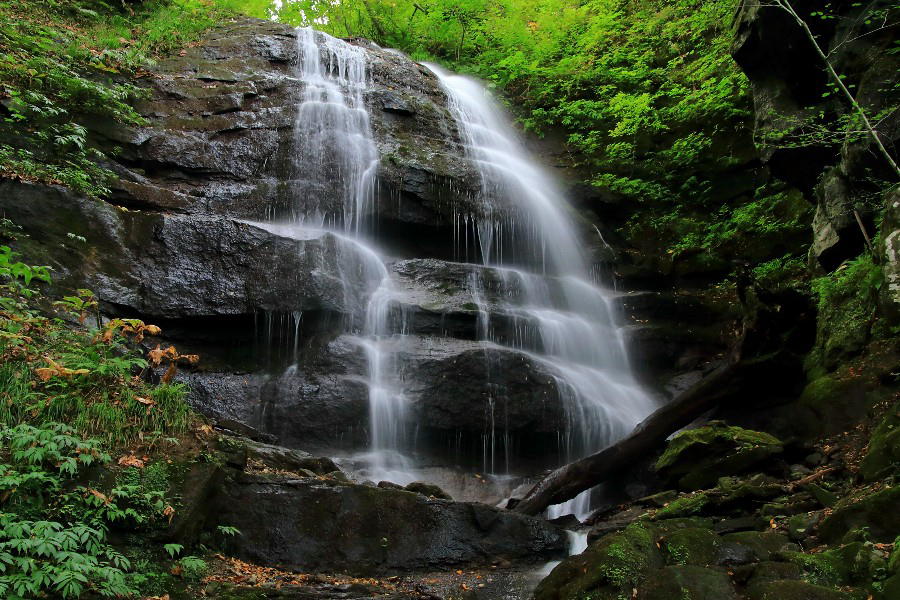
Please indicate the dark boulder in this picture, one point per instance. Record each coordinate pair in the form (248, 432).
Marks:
(697, 458)
(329, 525)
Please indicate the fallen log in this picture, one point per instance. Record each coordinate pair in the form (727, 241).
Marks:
(570, 480)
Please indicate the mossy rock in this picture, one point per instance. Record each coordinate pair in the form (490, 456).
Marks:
(877, 512)
(890, 588)
(883, 456)
(697, 458)
(801, 526)
(769, 570)
(685, 506)
(832, 402)
(609, 569)
(853, 564)
(736, 490)
(687, 582)
(669, 526)
(691, 546)
(788, 589)
(763, 544)
(894, 561)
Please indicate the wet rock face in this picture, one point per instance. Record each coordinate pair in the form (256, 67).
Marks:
(221, 126)
(181, 238)
(219, 148)
(183, 266)
(310, 524)
(455, 387)
(790, 88)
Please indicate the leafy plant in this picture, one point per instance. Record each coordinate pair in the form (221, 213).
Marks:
(228, 530)
(173, 550)
(53, 531)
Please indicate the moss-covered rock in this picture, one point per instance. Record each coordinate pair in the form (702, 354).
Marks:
(609, 569)
(769, 570)
(883, 456)
(739, 491)
(876, 512)
(687, 582)
(890, 588)
(794, 590)
(697, 458)
(685, 506)
(853, 564)
(763, 544)
(800, 527)
(894, 561)
(691, 546)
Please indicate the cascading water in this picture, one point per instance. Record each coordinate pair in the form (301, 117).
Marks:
(538, 275)
(333, 137)
(335, 164)
(564, 319)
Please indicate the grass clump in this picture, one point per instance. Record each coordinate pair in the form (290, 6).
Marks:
(89, 377)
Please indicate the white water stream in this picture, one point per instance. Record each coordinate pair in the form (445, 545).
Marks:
(568, 321)
(564, 320)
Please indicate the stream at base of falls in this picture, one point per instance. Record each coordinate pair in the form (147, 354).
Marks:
(529, 270)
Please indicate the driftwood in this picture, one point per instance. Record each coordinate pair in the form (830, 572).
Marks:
(570, 480)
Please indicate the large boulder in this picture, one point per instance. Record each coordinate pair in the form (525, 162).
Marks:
(876, 513)
(697, 458)
(220, 133)
(452, 387)
(883, 456)
(318, 524)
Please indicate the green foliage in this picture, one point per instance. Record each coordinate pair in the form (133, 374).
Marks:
(856, 280)
(52, 372)
(228, 530)
(53, 531)
(53, 523)
(847, 305)
(192, 567)
(646, 90)
(59, 68)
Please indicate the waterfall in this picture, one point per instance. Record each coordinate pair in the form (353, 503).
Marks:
(567, 321)
(333, 137)
(336, 158)
(532, 272)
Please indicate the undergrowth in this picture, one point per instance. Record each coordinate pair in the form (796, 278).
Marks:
(73, 391)
(63, 67)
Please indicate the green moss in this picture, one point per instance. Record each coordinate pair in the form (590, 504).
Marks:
(685, 506)
(846, 303)
(696, 458)
(608, 569)
(883, 456)
(763, 544)
(877, 512)
(708, 435)
(797, 590)
(626, 556)
(691, 546)
(852, 564)
(894, 562)
(824, 568)
(688, 582)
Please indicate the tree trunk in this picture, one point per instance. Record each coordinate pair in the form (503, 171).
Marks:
(570, 480)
